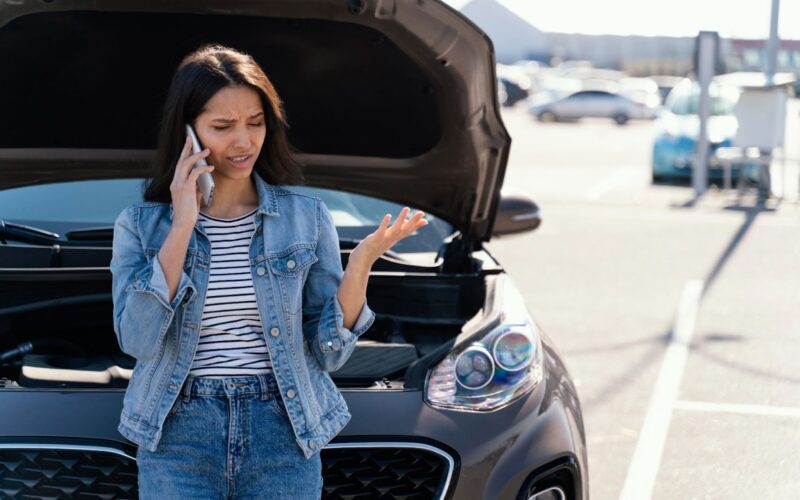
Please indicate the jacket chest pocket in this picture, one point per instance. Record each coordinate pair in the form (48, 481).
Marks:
(291, 267)
(293, 262)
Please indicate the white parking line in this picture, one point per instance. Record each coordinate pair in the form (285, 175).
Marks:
(772, 411)
(646, 459)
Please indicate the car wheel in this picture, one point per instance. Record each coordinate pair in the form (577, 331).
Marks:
(547, 116)
(621, 118)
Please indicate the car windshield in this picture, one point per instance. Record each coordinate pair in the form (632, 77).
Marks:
(87, 204)
(689, 103)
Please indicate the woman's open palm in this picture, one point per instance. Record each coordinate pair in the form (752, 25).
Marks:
(385, 236)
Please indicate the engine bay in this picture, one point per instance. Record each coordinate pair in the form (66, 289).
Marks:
(65, 338)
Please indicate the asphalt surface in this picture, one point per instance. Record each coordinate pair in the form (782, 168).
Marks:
(674, 314)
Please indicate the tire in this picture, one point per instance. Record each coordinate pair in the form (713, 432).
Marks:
(547, 116)
(621, 118)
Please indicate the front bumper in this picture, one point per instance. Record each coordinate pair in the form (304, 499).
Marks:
(494, 452)
(674, 159)
(460, 455)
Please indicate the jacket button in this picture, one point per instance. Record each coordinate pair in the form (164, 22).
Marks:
(330, 343)
(290, 393)
(274, 332)
(290, 264)
(260, 271)
(312, 444)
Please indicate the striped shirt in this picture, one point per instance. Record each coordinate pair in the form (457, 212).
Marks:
(231, 335)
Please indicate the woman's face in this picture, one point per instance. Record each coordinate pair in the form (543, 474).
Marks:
(232, 125)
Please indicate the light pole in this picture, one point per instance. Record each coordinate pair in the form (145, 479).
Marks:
(772, 44)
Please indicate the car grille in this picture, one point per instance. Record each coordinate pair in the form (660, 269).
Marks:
(350, 471)
(60, 473)
(355, 471)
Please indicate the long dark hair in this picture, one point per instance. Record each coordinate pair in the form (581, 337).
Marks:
(199, 76)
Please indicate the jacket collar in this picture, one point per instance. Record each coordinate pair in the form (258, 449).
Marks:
(267, 198)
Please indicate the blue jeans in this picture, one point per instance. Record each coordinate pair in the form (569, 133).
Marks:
(228, 438)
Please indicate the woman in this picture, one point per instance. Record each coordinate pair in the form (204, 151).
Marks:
(218, 408)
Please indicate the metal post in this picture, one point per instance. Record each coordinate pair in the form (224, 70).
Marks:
(764, 178)
(772, 44)
(706, 60)
(726, 180)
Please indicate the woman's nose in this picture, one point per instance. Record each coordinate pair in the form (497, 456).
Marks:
(242, 140)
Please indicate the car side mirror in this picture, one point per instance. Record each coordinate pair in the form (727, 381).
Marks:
(517, 213)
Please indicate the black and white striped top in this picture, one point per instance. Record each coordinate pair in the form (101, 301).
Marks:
(231, 334)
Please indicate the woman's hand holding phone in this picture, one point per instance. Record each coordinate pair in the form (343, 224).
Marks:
(186, 195)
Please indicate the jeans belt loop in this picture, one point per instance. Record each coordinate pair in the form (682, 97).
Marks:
(187, 389)
(264, 386)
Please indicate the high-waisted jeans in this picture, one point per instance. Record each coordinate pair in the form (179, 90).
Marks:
(228, 438)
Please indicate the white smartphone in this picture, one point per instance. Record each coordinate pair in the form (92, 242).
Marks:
(205, 181)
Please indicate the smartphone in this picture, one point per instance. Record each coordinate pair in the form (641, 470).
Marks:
(205, 181)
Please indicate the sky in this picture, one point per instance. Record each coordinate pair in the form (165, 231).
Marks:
(731, 18)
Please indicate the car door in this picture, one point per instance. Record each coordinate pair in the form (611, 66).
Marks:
(603, 104)
(572, 106)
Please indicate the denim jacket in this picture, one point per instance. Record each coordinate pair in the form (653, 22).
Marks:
(296, 267)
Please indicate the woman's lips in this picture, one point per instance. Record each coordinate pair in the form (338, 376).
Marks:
(239, 164)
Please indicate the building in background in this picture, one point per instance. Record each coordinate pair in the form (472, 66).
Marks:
(751, 55)
(516, 39)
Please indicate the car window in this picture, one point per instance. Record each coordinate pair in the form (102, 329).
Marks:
(580, 95)
(62, 206)
(592, 94)
(688, 103)
(86, 202)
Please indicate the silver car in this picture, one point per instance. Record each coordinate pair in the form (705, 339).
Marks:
(550, 106)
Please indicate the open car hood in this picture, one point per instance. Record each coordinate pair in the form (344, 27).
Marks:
(391, 99)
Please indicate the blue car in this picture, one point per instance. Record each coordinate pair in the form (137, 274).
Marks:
(677, 129)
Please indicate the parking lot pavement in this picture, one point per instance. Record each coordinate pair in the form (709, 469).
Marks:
(605, 275)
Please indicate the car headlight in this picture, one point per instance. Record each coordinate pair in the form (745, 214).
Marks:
(497, 366)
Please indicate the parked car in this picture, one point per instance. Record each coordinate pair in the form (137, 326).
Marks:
(548, 106)
(665, 84)
(530, 67)
(455, 391)
(641, 90)
(677, 128)
(516, 83)
(514, 90)
(502, 95)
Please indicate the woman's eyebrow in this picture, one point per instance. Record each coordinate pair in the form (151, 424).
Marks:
(226, 120)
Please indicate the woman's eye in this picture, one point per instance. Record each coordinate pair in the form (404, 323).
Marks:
(253, 124)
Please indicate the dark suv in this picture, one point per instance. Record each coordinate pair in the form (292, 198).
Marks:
(455, 392)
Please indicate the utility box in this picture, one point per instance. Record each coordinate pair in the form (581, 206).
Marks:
(761, 116)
